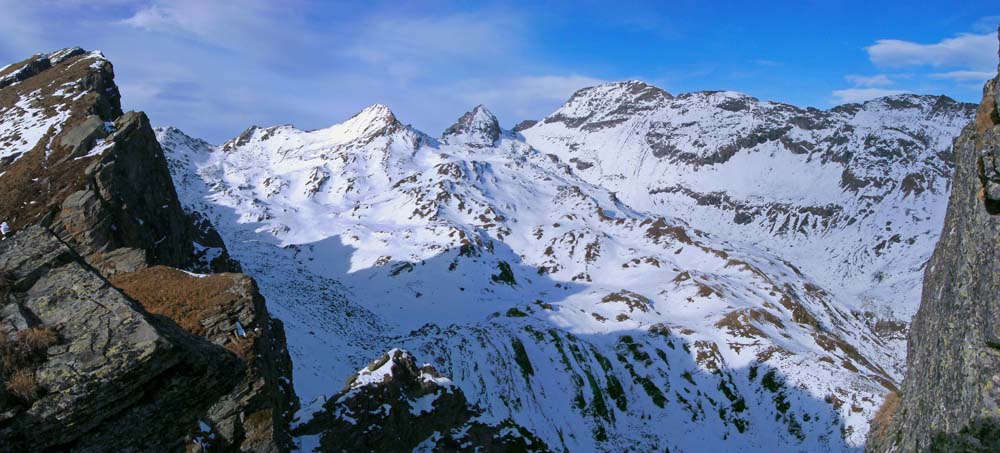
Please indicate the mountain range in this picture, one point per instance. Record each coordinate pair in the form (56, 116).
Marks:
(636, 271)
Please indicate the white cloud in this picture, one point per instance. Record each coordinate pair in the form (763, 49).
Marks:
(861, 94)
(869, 81)
(256, 27)
(965, 76)
(969, 51)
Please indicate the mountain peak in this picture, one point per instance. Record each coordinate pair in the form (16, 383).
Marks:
(370, 122)
(478, 127)
(633, 90)
(610, 101)
(374, 113)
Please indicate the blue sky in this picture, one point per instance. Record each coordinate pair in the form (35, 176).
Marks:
(213, 68)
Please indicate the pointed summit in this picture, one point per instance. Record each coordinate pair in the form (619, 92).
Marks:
(476, 128)
(374, 120)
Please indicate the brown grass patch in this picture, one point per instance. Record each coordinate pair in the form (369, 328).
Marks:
(742, 323)
(884, 415)
(259, 425)
(38, 339)
(706, 290)
(184, 298)
(22, 384)
(28, 349)
(707, 355)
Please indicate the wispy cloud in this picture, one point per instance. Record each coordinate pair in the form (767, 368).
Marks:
(235, 26)
(850, 95)
(869, 81)
(964, 76)
(970, 51)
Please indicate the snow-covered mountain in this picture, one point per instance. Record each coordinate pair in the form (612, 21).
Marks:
(853, 196)
(542, 286)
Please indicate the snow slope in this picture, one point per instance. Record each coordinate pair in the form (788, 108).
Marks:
(544, 297)
(854, 196)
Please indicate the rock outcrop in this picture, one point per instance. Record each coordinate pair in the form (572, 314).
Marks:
(950, 398)
(395, 405)
(76, 170)
(96, 176)
(110, 377)
(227, 310)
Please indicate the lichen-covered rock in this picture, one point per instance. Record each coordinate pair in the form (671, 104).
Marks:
(395, 405)
(114, 378)
(950, 397)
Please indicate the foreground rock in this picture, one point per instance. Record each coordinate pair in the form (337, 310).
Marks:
(111, 377)
(395, 405)
(96, 178)
(950, 397)
(227, 310)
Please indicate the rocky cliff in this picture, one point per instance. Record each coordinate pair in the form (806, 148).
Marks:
(950, 398)
(108, 329)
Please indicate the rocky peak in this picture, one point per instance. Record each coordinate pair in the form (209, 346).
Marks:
(373, 121)
(478, 127)
(37, 63)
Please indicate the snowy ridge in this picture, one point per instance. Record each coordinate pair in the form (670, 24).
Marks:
(854, 196)
(542, 296)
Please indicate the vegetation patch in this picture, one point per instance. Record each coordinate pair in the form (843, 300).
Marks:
(505, 276)
(884, 415)
(513, 312)
(186, 299)
(521, 358)
(653, 391)
(20, 357)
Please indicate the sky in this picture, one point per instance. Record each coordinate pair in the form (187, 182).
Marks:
(213, 68)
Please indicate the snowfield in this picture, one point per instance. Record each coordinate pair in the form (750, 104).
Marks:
(547, 275)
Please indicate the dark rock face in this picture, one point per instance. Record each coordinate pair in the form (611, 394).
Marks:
(478, 127)
(127, 215)
(524, 125)
(395, 405)
(116, 378)
(80, 174)
(950, 397)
